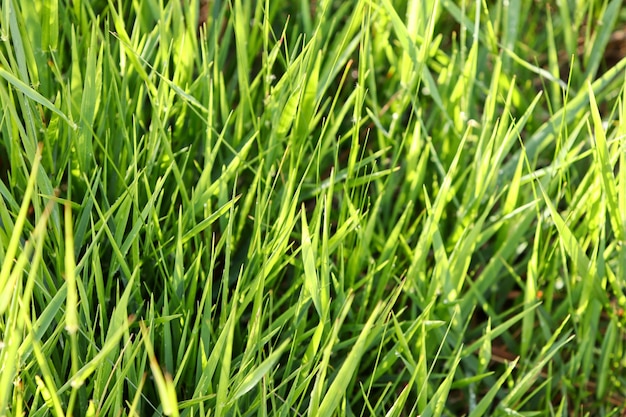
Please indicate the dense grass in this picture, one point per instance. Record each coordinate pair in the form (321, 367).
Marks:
(336, 208)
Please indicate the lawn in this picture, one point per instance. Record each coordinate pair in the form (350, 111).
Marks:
(320, 208)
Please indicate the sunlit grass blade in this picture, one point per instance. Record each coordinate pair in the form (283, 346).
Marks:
(34, 95)
(436, 404)
(163, 382)
(486, 402)
(12, 248)
(523, 384)
(254, 377)
(316, 290)
(595, 51)
(336, 391)
(604, 166)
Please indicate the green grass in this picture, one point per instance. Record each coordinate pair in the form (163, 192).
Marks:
(339, 208)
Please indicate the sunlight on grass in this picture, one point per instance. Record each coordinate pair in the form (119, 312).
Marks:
(312, 208)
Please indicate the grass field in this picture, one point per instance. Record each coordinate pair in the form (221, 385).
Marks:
(320, 208)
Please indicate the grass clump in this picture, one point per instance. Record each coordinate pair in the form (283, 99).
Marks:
(336, 208)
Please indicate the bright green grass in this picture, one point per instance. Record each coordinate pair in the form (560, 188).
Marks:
(348, 208)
